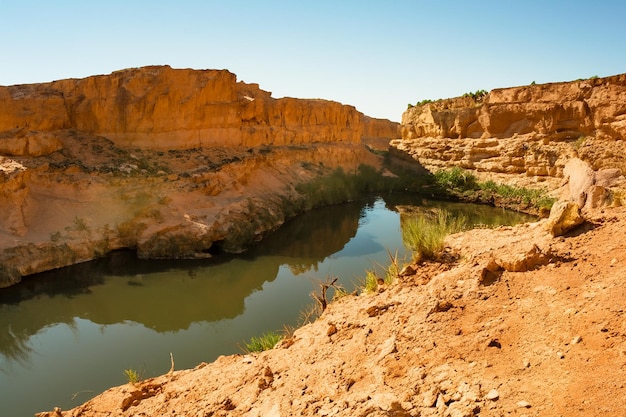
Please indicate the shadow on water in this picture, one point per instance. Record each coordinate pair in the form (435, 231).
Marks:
(168, 295)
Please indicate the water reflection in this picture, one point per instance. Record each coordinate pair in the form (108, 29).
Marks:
(77, 328)
(167, 296)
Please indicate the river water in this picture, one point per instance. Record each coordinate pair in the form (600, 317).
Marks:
(69, 334)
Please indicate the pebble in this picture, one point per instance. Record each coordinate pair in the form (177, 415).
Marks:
(430, 397)
(560, 355)
(526, 363)
(523, 404)
(492, 395)
(576, 340)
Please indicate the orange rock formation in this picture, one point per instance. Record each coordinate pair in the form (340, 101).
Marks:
(531, 130)
(170, 162)
(161, 107)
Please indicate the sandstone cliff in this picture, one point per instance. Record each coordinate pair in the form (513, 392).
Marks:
(529, 131)
(172, 163)
(165, 108)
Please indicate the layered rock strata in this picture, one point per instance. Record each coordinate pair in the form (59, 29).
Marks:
(530, 131)
(172, 163)
(165, 108)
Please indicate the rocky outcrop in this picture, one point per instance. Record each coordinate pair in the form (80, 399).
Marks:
(161, 107)
(530, 130)
(179, 204)
(172, 163)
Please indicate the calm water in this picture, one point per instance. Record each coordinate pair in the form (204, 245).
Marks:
(67, 335)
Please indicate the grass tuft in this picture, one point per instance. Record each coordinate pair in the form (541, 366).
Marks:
(265, 342)
(455, 179)
(131, 376)
(370, 282)
(425, 234)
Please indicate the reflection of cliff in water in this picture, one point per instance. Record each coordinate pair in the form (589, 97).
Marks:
(304, 242)
(167, 295)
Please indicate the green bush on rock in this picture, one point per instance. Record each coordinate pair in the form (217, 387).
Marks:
(457, 182)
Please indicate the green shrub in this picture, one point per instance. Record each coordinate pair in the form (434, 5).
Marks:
(579, 142)
(423, 102)
(533, 197)
(455, 179)
(425, 234)
(55, 237)
(265, 342)
(478, 95)
(339, 186)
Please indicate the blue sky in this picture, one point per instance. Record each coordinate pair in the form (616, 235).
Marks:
(375, 55)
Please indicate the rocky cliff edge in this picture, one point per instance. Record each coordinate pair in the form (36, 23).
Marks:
(172, 163)
(524, 135)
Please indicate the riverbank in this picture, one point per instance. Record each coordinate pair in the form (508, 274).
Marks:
(441, 341)
(172, 163)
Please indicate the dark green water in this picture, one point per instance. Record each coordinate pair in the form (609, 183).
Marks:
(67, 335)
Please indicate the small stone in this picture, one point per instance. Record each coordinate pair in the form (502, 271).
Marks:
(576, 340)
(408, 270)
(523, 404)
(430, 397)
(560, 355)
(441, 402)
(526, 363)
(613, 262)
(406, 405)
(492, 395)
(387, 347)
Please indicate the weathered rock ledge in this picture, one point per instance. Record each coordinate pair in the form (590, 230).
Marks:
(522, 135)
(173, 163)
(163, 108)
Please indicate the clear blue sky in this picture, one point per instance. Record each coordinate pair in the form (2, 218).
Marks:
(375, 55)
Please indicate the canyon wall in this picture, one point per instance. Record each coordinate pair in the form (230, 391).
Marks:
(171, 163)
(529, 131)
(161, 107)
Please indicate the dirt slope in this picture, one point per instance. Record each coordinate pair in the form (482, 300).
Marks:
(449, 340)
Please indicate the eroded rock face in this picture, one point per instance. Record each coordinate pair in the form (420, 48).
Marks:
(172, 163)
(161, 107)
(532, 130)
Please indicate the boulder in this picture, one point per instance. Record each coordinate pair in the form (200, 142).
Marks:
(580, 177)
(564, 216)
(524, 261)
